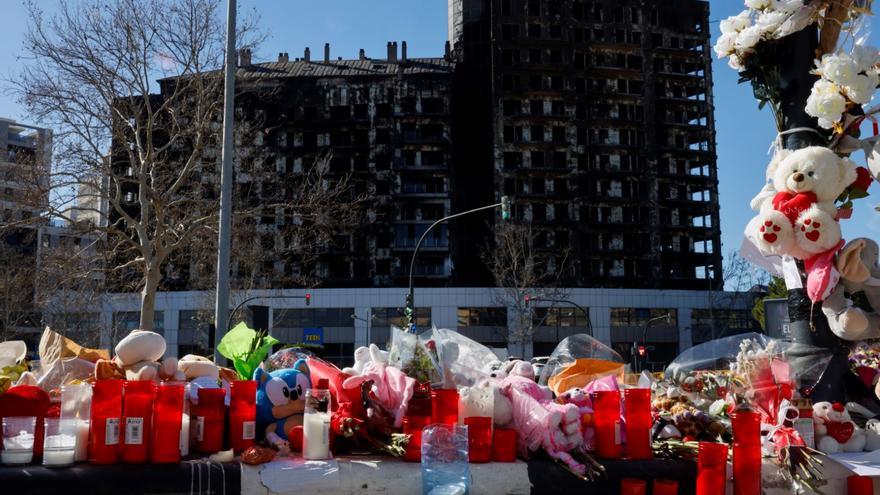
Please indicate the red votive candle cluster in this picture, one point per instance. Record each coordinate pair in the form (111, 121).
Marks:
(859, 485)
(137, 416)
(104, 428)
(711, 468)
(418, 416)
(479, 438)
(444, 406)
(167, 419)
(242, 414)
(665, 487)
(746, 453)
(637, 412)
(504, 445)
(210, 420)
(606, 419)
(632, 486)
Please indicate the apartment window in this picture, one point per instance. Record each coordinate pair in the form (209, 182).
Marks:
(432, 158)
(534, 56)
(509, 57)
(535, 7)
(512, 160)
(560, 160)
(534, 30)
(510, 82)
(511, 108)
(535, 82)
(506, 7)
(432, 105)
(383, 110)
(536, 133)
(408, 104)
(313, 317)
(340, 112)
(560, 317)
(558, 134)
(360, 111)
(513, 134)
(556, 83)
(482, 317)
(557, 108)
(538, 185)
(310, 113)
(537, 158)
(383, 136)
(639, 317)
(509, 32)
(556, 31)
(556, 56)
(194, 333)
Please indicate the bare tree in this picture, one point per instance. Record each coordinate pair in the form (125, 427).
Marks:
(521, 270)
(17, 272)
(742, 283)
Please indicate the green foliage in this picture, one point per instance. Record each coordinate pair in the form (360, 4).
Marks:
(775, 289)
(246, 348)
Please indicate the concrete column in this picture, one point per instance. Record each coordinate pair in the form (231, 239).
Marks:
(171, 320)
(600, 318)
(685, 338)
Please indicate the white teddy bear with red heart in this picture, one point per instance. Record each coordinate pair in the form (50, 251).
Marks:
(835, 430)
(797, 215)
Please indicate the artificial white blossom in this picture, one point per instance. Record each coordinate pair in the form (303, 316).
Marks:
(866, 57)
(748, 38)
(757, 4)
(735, 63)
(724, 47)
(826, 103)
(862, 88)
(735, 23)
(770, 20)
(840, 69)
(786, 5)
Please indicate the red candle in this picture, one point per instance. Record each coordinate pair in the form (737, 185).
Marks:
(666, 487)
(137, 416)
(210, 420)
(711, 468)
(242, 414)
(637, 410)
(504, 445)
(412, 425)
(104, 428)
(859, 485)
(444, 406)
(167, 419)
(632, 486)
(746, 453)
(606, 419)
(479, 438)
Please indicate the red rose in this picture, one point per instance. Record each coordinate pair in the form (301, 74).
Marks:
(863, 179)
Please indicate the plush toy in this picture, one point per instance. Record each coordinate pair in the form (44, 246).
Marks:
(872, 435)
(138, 357)
(800, 219)
(363, 356)
(392, 389)
(835, 430)
(199, 372)
(859, 272)
(280, 404)
(582, 401)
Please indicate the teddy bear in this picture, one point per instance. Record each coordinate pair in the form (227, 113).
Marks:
(281, 403)
(363, 356)
(872, 435)
(138, 357)
(485, 397)
(859, 272)
(835, 430)
(799, 218)
(581, 399)
(391, 388)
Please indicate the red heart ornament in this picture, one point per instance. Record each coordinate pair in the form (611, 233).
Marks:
(841, 432)
(792, 205)
(812, 235)
(771, 238)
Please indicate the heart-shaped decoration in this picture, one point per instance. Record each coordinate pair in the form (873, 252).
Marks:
(812, 235)
(841, 432)
(770, 237)
(792, 205)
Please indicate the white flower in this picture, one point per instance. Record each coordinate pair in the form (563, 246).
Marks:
(770, 20)
(748, 38)
(724, 46)
(735, 63)
(866, 57)
(757, 4)
(786, 5)
(862, 88)
(840, 69)
(735, 23)
(825, 103)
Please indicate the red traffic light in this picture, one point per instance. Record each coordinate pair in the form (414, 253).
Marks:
(642, 351)
(308, 299)
(527, 299)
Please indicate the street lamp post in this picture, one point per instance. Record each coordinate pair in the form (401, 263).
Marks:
(635, 348)
(369, 321)
(409, 309)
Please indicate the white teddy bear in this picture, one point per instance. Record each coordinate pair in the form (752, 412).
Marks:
(364, 356)
(797, 215)
(835, 430)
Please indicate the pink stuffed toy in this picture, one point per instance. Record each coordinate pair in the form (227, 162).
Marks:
(542, 423)
(392, 389)
(581, 399)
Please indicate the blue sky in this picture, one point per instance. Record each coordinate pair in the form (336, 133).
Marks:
(743, 132)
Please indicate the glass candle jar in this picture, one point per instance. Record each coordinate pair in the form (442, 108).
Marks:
(637, 412)
(210, 420)
(444, 406)
(711, 468)
(746, 453)
(76, 404)
(632, 486)
(167, 418)
(316, 424)
(242, 414)
(106, 415)
(137, 418)
(665, 487)
(19, 433)
(504, 445)
(59, 444)
(479, 438)
(606, 420)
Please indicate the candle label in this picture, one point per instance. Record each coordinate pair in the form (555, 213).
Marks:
(134, 431)
(111, 432)
(248, 430)
(617, 432)
(200, 428)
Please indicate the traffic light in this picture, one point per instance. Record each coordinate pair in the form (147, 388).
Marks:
(308, 299)
(527, 299)
(505, 208)
(642, 351)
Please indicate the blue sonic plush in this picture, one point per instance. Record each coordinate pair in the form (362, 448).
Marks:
(281, 398)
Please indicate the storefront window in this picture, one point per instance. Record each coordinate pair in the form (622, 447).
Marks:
(482, 317)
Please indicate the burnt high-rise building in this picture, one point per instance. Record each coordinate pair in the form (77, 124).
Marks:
(596, 117)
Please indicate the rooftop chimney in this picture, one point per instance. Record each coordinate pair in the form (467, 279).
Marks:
(392, 52)
(244, 57)
(403, 51)
(326, 52)
(447, 50)
(307, 55)
(362, 55)
(283, 58)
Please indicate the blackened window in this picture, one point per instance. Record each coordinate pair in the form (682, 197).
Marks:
(383, 161)
(556, 83)
(560, 159)
(509, 57)
(510, 82)
(360, 111)
(509, 32)
(537, 159)
(408, 105)
(383, 110)
(432, 105)
(556, 31)
(534, 56)
(310, 113)
(556, 56)
(535, 82)
(511, 108)
(383, 135)
(432, 158)
(534, 30)
(538, 185)
(537, 133)
(536, 107)
(310, 139)
(558, 134)
(557, 107)
(512, 160)
(535, 7)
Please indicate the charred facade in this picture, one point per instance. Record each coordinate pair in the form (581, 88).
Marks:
(602, 131)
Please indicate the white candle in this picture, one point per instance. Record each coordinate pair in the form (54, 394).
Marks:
(184, 434)
(82, 440)
(22, 441)
(17, 456)
(58, 457)
(316, 436)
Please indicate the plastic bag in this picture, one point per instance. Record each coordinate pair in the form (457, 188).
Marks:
(285, 358)
(461, 362)
(445, 467)
(578, 360)
(409, 354)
